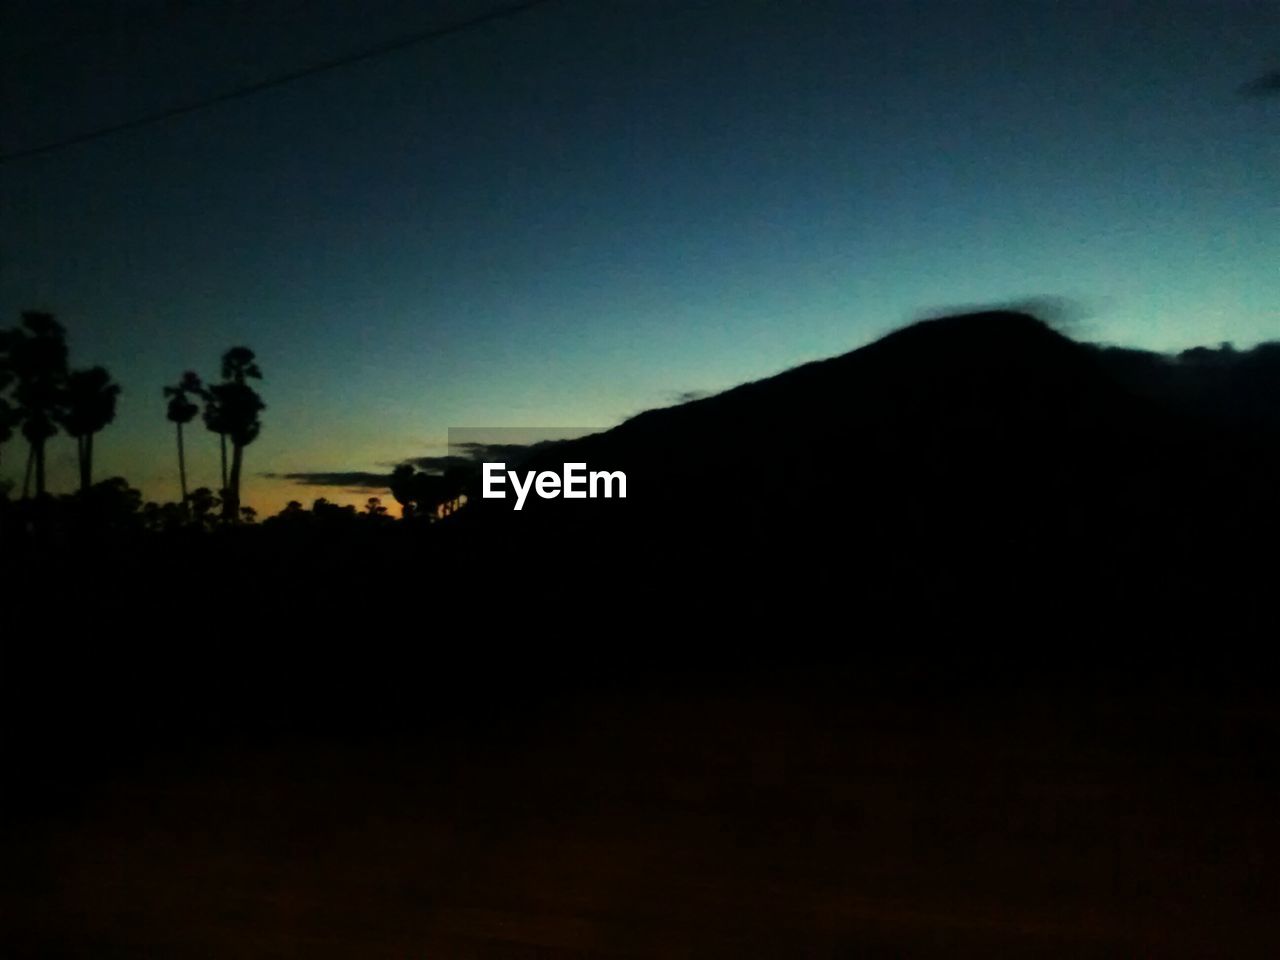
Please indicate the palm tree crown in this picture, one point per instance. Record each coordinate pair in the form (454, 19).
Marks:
(181, 409)
(37, 357)
(89, 404)
(89, 401)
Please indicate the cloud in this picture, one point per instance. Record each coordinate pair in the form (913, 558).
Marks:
(467, 455)
(437, 464)
(1061, 313)
(352, 479)
(471, 453)
(688, 396)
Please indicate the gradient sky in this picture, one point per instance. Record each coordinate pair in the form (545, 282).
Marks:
(584, 211)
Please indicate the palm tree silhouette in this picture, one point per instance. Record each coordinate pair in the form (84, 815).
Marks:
(181, 412)
(214, 421)
(89, 404)
(231, 410)
(38, 360)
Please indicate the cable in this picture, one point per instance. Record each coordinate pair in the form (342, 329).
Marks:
(239, 93)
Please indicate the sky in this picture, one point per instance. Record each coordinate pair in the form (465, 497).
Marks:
(565, 217)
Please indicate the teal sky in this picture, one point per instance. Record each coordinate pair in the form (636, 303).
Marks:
(585, 211)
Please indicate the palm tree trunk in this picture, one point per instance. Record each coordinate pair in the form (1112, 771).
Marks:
(40, 469)
(222, 438)
(182, 469)
(231, 503)
(26, 477)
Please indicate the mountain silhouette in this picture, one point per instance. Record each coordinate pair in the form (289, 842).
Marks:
(993, 405)
(955, 457)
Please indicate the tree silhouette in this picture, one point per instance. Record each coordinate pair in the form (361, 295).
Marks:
(181, 412)
(215, 422)
(231, 410)
(89, 404)
(426, 496)
(165, 517)
(203, 503)
(8, 413)
(114, 505)
(38, 361)
(403, 489)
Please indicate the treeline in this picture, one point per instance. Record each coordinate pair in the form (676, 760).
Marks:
(112, 506)
(42, 395)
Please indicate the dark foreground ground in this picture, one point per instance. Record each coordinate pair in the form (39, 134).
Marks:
(286, 798)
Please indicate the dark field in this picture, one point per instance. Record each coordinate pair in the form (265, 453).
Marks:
(842, 812)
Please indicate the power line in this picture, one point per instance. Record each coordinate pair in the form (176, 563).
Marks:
(239, 93)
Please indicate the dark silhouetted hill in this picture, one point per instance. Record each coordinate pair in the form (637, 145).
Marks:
(975, 459)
